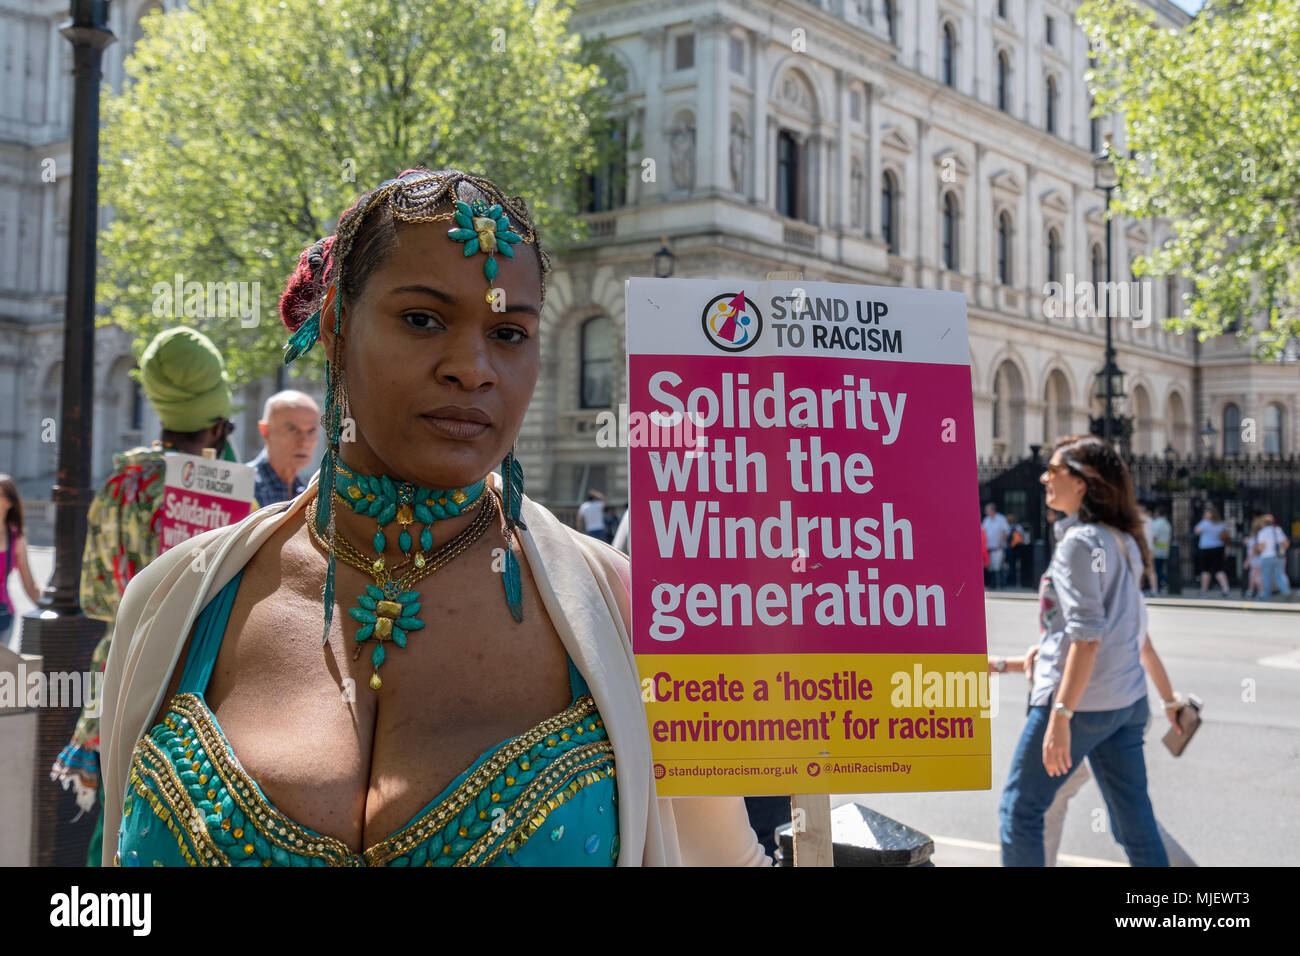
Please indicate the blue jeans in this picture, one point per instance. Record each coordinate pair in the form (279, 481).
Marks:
(1112, 742)
(1162, 572)
(1272, 571)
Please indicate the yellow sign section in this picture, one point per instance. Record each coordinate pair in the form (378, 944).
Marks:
(817, 723)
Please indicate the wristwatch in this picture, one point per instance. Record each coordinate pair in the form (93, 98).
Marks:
(1000, 664)
(1060, 708)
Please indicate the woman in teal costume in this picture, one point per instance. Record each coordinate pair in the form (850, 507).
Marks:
(445, 720)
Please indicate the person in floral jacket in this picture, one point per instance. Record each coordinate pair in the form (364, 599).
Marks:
(184, 377)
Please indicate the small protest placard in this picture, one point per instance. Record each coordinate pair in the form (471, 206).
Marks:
(808, 605)
(202, 494)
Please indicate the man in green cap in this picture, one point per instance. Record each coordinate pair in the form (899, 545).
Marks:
(184, 377)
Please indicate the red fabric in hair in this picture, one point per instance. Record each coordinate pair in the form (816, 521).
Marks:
(304, 288)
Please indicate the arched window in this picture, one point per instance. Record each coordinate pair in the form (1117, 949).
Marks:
(1098, 264)
(1009, 409)
(1273, 429)
(597, 362)
(891, 21)
(949, 75)
(997, 406)
(1094, 128)
(606, 188)
(1058, 414)
(1053, 255)
(137, 406)
(1231, 430)
(889, 211)
(1004, 81)
(1141, 437)
(1052, 95)
(1004, 248)
(950, 225)
(787, 175)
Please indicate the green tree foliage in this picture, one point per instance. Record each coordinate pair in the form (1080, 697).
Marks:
(247, 126)
(1212, 113)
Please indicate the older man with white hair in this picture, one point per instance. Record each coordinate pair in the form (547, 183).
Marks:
(289, 426)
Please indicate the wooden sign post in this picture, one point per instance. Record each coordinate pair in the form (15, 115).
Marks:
(810, 813)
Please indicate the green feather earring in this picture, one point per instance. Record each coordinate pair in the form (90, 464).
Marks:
(512, 496)
(333, 428)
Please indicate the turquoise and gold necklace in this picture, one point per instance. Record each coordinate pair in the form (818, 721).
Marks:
(387, 501)
(389, 609)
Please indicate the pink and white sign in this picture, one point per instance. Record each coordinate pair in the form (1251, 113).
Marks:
(804, 507)
(202, 494)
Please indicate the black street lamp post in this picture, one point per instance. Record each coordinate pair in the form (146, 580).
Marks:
(57, 629)
(1106, 179)
(1207, 438)
(665, 261)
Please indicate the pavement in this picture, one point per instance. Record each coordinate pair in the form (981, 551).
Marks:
(1189, 598)
(1230, 800)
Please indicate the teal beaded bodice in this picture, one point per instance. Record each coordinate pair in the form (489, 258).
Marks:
(544, 798)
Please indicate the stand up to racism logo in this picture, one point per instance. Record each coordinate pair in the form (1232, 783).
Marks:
(732, 321)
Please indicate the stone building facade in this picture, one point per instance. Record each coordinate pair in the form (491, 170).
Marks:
(941, 144)
(932, 143)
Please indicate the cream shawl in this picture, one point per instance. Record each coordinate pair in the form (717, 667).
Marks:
(584, 587)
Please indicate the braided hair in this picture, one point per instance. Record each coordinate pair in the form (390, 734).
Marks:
(373, 237)
(1108, 497)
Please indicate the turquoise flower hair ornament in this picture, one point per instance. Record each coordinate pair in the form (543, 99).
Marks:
(417, 195)
(486, 229)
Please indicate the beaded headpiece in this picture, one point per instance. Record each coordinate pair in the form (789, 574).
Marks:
(491, 223)
(419, 195)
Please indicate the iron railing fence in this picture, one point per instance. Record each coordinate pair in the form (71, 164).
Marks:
(1240, 486)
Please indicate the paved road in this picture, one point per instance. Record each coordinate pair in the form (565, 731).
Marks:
(1232, 799)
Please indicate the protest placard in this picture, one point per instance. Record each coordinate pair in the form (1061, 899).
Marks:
(808, 606)
(201, 494)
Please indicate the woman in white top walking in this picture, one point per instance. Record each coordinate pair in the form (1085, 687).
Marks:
(1089, 692)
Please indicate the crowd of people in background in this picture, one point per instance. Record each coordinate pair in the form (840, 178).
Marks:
(1006, 548)
(1008, 555)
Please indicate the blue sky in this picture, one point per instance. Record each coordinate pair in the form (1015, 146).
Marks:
(1191, 6)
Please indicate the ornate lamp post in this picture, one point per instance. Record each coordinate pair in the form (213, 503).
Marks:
(1106, 179)
(57, 629)
(665, 261)
(1207, 438)
(1108, 388)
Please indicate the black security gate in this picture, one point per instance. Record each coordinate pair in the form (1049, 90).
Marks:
(1241, 487)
